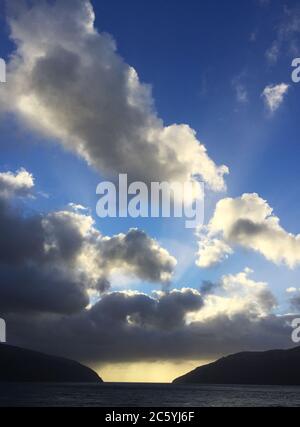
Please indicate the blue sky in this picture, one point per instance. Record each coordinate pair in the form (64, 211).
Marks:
(207, 63)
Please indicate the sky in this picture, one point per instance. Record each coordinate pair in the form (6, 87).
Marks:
(172, 91)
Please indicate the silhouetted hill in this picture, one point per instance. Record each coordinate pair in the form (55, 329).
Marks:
(276, 367)
(19, 365)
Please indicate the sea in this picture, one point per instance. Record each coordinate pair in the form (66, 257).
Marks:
(146, 395)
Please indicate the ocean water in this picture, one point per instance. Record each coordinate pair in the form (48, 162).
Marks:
(146, 395)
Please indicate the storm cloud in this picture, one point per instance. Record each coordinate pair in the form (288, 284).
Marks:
(50, 262)
(122, 328)
(178, 324)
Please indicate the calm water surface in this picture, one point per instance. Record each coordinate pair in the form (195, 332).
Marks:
(139, 395)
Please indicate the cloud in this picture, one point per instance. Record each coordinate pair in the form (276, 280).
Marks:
(253, 36)
(238, 294)
(140, 254)
(208, 287)
(274, 95)
(248, 222)
(287, 37)
(67, 81)
(273, 52)
(211, 251)
(291, 290)
(166, 311)
(182, 323)
(294, 300)
(77, 207)
(241, 94)
(50, 262)
(240, 89)
(16, 184)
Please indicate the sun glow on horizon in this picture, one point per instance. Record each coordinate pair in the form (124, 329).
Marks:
(146, 372)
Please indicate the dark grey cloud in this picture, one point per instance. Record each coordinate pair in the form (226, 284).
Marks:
(165, 312)
(31, 276)
(124, 328)
(148, 260)
(50, 262)
(295, 302)
(20, 236)
(208, 287)
(245, 227)
(42, 299)
(32, 287)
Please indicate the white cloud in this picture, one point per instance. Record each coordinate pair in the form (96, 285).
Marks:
(249, 222)
(274, 95)
(67, 81)
(77, 207)
(211, 251)
(20, 183)
(241, 93)
(240, 88)
(238, 294)
(272, 54)
(291, 290)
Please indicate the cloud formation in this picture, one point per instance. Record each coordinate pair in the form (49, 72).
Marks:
(16, 184)
(50, 262)
(238, 293)
(240, 89)
(211, 250)
(295, 302)
(287, 37)
(248, 222)
(130, 326)
(67, 81)
(274, 95)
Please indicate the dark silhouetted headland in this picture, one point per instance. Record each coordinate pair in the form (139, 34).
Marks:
(275, 367)
(19, 365)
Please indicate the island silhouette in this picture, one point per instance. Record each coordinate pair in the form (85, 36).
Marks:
(275, 367)
(20, 365)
